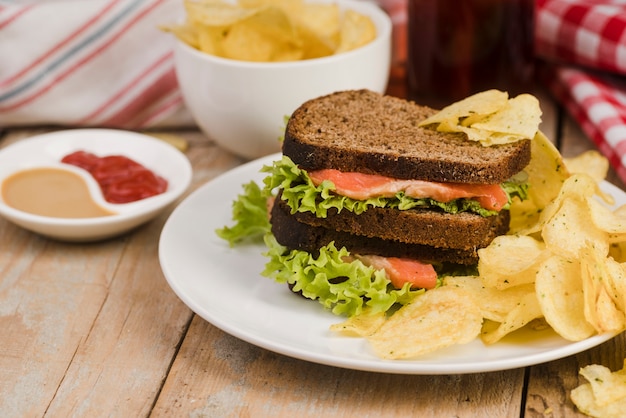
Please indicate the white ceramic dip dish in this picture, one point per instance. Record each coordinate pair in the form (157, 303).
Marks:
(47, 150)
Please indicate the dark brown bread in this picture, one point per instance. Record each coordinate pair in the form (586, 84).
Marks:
(463, 231)
(300, 236)
(360, 130)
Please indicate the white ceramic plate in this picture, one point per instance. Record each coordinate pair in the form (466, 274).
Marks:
(224, 286)
(47, 150)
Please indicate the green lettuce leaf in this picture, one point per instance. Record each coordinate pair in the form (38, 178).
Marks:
(343, 287)
(302, 195)
(250, 216)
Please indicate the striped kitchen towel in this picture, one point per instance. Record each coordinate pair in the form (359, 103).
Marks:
(89, 63)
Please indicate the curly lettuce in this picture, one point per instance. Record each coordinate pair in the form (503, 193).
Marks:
(250, 216)
(344, 287)
(302, 195)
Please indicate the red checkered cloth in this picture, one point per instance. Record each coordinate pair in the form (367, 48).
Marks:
(591, 33)
(584, 44)
(598, 103)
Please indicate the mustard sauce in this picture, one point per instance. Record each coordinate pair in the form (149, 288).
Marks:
(51, 192)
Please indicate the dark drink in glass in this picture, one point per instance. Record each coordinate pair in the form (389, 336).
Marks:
(460, 47)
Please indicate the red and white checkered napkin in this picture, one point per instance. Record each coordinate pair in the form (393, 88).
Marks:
(584, 44)
(591, 33)
(89, 63)
(598, 103)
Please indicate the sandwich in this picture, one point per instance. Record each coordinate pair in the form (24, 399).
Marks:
(367, 208)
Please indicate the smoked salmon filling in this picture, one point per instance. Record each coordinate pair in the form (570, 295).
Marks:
(322, 190)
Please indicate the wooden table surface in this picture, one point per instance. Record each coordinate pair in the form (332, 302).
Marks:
(90, 330)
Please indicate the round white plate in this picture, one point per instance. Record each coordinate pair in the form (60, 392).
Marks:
(224, 286)
(47, 150)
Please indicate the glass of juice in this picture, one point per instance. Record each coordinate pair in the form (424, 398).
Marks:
(460, 47)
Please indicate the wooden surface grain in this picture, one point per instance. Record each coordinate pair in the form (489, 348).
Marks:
(90, 330)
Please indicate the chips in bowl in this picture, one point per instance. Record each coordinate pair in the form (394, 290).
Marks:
(272, 30)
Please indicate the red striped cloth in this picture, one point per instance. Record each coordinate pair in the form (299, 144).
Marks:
(584, 44)
(89, 63)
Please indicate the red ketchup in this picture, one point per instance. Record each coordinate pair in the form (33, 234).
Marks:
(121, 179)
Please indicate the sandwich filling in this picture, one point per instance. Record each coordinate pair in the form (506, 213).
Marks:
(361, 186)
(320, 190)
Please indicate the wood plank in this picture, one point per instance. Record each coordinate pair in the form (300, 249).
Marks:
(217, 375)
(90, 329)
(49, 295)
(121, 362)
(550, 384)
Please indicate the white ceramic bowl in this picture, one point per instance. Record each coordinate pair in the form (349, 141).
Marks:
(47, 150)
(241, 105)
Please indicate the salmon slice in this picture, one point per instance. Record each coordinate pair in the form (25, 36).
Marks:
(362, 186)
(403, 270)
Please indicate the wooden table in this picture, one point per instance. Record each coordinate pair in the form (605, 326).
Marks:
(95, 330)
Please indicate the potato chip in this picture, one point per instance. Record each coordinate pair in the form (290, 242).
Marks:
(607, 387)
(313, 45)
(495, 305)
(483, 104)
(546, 175)
(473, 134)
(322, 19)
(560, 294)
(616, 282)
(525, 310)
(590, 162)
(356, 30)
(438, 318)
(510, 260)
(571, 228)
(318, 27)
(186, 33)
(617, 251)
(215, 13)
(609, 318)
(266, 36)
(210, 39)
(362, 325)
(519, 119)
(272, 30)
(577, 186)
(604, 395)
(612, 222)
(583, 398)
(490, 117)
(599, 308)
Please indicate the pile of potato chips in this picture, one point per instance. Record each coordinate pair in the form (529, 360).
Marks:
(605, 394)
(272, 30)
(562, 265)
(490, 117)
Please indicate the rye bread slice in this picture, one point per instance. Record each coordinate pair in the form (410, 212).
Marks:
(462, 231)
(296, 235)
(360, 130)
